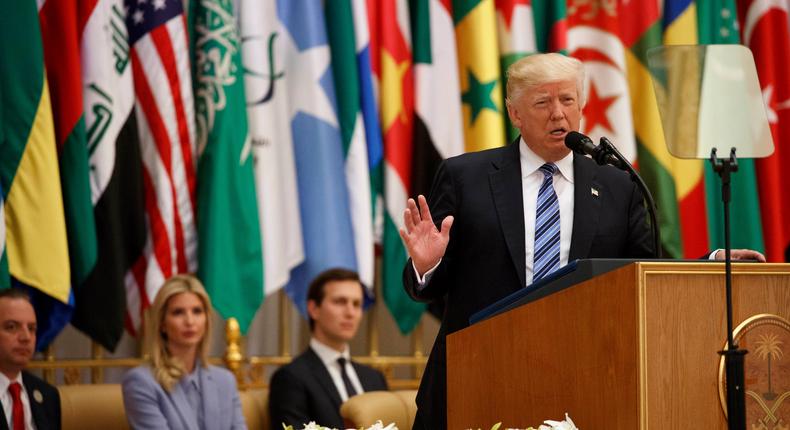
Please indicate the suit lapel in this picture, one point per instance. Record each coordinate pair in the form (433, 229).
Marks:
(179, 399)
(586, 207)
(3, 420)
(209, 391)
(36, 399)
(507, 191)
(322, 376)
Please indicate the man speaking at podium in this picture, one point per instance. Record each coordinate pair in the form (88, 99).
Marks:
(512, 215)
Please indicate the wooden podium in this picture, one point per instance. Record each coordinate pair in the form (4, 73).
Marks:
(634, 348)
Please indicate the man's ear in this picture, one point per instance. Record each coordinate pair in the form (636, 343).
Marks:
(512, 113)
(312, 309)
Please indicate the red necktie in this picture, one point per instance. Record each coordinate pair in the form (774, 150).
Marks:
(17, 412)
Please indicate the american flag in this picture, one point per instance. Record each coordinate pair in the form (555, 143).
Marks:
(165, 115)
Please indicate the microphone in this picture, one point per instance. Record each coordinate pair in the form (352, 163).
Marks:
(582, 144)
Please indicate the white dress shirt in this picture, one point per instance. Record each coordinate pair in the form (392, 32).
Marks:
(8, 402)
(329, 357)
(531, 180)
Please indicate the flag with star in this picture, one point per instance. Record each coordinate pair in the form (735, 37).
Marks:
(296, 87)
(115, 170)
(717, 23)
(230, 261)
(164, 111)
(36, 248)
(347, 71)
(480, 74)
(764, 29)
(392, 65)
(269, 112)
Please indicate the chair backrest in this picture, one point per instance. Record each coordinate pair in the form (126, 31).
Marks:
(92, 407)
(100, 407)
(397, 407)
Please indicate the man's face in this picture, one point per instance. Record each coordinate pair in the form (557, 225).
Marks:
(545, 114)
(337, 317)
(17, 335)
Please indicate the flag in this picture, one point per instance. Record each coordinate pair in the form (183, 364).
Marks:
(480, 77)
(438, 124)
(516, 36)
(115, 170)
(164, 112)
(269, 121)
(35, 230)
(297, 91)
(765, 31)
(392, 64)
(229, 252)
(5, 279)
(717, 23)
(347, 69)
(551, 25)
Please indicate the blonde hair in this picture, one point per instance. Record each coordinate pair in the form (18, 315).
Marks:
(538, 69)
(167, 369)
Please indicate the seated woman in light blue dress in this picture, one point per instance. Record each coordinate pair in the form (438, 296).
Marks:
(177, 389)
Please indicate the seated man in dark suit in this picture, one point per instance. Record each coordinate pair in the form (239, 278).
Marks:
(28, 402)
(314, 385)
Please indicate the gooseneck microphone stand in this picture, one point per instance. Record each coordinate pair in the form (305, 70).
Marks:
(607, 148)
(733, 357)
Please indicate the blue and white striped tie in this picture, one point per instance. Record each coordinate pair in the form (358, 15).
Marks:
(547, 226)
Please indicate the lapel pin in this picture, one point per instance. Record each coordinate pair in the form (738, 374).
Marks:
(38, 397)
(594, 192)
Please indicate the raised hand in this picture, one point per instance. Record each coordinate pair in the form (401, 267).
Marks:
(424, 243)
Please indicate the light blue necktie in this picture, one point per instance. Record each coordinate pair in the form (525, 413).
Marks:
(547, 226)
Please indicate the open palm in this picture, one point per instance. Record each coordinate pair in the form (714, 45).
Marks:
(424, 242)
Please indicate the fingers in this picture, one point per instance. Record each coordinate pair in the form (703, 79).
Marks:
(747, 254)
(425, 212)
(447, 223)
(411, 205)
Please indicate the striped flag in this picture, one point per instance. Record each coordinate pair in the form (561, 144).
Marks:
(392, 64)
(115, 170)
(35, 236)
(438, 124)
(347, 69)
(61, 31)
(516, 31)
(718, 23)
(229, 252)
(765, 30)
(164, 111)
(680, 27)
(480, 76)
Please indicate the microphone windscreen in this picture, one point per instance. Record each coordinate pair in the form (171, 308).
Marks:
(577, 141)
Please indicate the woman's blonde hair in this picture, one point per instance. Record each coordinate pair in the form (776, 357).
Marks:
(538, 69)
(167, 369)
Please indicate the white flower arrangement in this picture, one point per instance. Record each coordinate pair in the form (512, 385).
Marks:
(566, 424)
(313, 426)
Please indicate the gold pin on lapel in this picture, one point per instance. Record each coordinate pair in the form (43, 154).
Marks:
(594, 192)
(38, 397)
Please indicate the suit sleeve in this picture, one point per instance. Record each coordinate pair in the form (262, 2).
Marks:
(288, 400)
(640, 235)
(442, 202)
(239, 423)
(140, 401)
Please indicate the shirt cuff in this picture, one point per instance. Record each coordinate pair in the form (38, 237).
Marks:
(423, 280)
(712, 255)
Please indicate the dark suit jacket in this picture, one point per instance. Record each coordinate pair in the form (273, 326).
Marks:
(45, 406)
(485, 259)
(303, 391)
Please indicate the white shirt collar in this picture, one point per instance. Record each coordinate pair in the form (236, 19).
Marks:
(531, 162)
(328, 355)
(5, 382)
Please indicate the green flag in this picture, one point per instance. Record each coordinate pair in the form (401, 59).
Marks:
(717, 23)
(229, 246)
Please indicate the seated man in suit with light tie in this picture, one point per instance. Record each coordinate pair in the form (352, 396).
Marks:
(314, 385)
(517, 214)
(28, 402)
